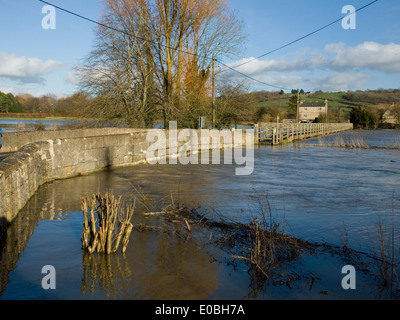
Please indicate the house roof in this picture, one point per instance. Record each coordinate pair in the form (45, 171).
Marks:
(313, 104)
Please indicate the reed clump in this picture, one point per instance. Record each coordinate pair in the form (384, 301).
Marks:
(386, 259)
(107, 225)
(353, 142)
(261, 242)
(38, 126)
(266, 244)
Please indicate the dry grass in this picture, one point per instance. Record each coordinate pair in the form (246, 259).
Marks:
(387, 253)
(353, 142)
(397, 143)
(261, 242)
(382, 260)
(21, 126)
(386, 260)
(112, 225)
(267, 244)
(343, 234)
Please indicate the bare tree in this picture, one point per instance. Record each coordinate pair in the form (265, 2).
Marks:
(216, 33)
(119, 71)
(235, 104)
(149, 48)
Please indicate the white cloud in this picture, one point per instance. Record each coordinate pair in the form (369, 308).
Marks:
(17, 91)
(369, 55)
(350, 67)
(27, 70)
(336, 57)
(254, 66)
(73, 77)
(340, 82)
(329, 82)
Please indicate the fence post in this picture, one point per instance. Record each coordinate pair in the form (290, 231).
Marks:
(273, 135)
(257, 133)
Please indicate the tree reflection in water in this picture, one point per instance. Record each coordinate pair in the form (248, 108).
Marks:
(165, 265)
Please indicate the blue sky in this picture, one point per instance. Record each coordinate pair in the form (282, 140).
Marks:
(38, 61)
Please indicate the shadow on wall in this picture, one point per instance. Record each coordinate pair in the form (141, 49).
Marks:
(3, 228)
(3, 246)
(108, 158)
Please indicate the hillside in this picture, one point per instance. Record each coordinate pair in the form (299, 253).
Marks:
(339, 102)
(338, 99)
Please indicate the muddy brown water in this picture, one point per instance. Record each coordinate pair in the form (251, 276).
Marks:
(318, 191)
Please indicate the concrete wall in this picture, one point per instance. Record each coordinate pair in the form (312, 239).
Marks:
(23, 172)
(13, 141)
(73, 153)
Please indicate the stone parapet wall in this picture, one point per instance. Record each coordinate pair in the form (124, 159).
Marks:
(24, 171)
(13, 141)
(74, 153)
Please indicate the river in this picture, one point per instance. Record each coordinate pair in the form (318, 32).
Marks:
(20, 125)
(321, 192)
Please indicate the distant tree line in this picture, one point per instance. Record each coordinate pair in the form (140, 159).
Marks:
(262, 96)
(373, 96)
(235, 103)
(8, 103)
(47, 104)
(363, 119)
(371, 118)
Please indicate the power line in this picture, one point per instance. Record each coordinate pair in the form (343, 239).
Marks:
(299, 39)
(193, 54)
(251, 78)
(117, 30)
(142, 39)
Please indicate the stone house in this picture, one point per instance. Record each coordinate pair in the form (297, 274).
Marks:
(389, 116)
(309, 111)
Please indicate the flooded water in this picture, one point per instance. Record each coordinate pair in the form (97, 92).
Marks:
(17, 125)
(321, 192)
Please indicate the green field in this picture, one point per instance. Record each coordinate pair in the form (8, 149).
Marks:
(335, 100)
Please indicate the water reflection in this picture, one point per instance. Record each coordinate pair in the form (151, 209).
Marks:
(371, 138)
(47, 232)
(316, 189)
(17, 125)
(155, 266)
(16, 236)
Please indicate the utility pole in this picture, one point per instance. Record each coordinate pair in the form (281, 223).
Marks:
(298, 101)
(326, 106)
(213, 93)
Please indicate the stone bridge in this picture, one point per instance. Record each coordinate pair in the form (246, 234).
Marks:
(36, 158)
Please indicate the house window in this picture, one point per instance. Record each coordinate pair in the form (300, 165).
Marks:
(304, 115)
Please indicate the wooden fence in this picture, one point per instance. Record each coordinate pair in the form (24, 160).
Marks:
(277, 133)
